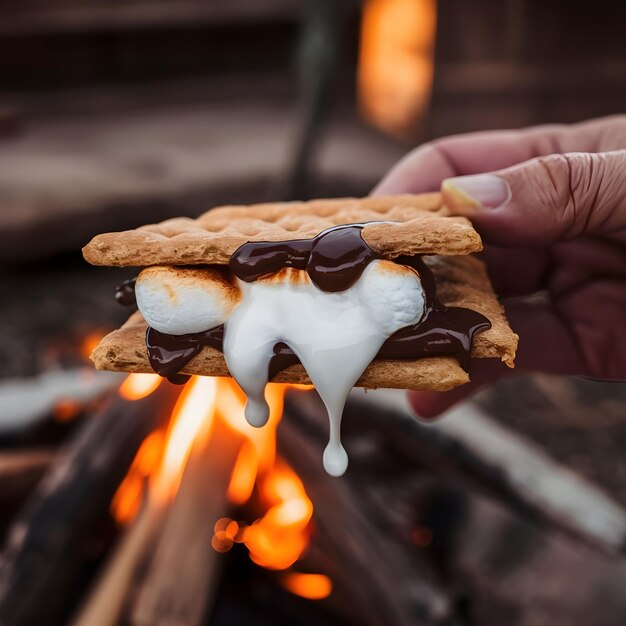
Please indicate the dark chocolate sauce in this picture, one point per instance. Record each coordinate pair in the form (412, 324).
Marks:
(334, 260)
(125, 293)
(442, 330)
(168, 354)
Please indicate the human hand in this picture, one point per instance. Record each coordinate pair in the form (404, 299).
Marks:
(554, 223)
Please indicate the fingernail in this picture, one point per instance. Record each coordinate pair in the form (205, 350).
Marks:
(480, 191)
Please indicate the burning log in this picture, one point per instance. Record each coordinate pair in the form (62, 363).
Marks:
(367, 519)
(352, 534)
(44, 560)
(24, 403)
(178, 586)
(105, 602)
(175, 524)
(469, 445)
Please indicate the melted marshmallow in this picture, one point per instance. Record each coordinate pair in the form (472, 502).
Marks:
(335, 335)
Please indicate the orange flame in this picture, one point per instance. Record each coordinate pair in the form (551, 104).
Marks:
(91, 341)
(137, 386)
(310, 586)
(278, 538)
(244, 474)
(231, 408)
(396, 65)
(66, 409)
(192, 420)
(128, 497)
(162, 458)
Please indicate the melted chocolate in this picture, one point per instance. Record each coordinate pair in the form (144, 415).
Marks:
(442, 330)
(168, 354)
(125, 293)
(334, 260)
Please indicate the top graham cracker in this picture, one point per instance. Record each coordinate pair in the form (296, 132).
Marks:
(415, 224)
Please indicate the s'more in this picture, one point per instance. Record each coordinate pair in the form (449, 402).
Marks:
(370, 292)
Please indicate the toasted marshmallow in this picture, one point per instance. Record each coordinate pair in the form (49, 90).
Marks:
(178, 301)
(334, 335)
(393, 295)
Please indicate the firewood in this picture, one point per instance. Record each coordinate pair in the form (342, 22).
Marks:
(178, 587)
(377, 576)
(469, 445)
(44, 559)
(106, 599)
(20, 470)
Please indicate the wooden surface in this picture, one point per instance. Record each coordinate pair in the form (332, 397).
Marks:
(36, 17)
(145, 155)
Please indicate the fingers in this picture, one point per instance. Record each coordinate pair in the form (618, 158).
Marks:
(517, 272)
(545, 345)
(545, 200)
(431, 404)
(424, 168)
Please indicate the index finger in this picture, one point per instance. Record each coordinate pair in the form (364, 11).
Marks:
(426, 167)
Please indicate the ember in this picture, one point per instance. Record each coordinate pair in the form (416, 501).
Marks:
(310, 586)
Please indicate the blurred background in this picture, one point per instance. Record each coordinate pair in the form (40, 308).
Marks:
(121, 112)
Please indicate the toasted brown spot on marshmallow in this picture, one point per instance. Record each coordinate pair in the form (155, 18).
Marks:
(287, 275)
(171, 294)
(390, 267)
(170, 278)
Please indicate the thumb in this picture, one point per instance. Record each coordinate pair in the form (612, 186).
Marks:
(544, 200)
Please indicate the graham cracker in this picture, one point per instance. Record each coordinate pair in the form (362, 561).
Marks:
(461, 281)
(420, 226)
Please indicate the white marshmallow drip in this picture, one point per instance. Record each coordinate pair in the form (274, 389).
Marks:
(334, 335)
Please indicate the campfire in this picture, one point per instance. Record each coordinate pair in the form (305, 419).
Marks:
(200, 455)
(166, 506)
(280, 535)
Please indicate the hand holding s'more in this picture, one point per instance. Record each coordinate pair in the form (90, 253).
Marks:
(373, 292)
(550, 205)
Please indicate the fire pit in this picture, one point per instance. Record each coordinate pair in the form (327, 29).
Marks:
(167, 507)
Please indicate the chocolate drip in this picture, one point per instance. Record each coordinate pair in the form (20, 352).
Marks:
(442, 330)
(169, 354)
(125, 293)
(334, 260)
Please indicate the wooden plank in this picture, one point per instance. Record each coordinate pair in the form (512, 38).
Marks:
(68, 178)
(37, 19)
